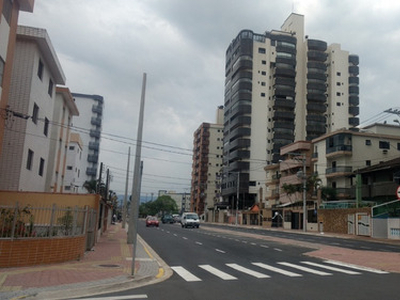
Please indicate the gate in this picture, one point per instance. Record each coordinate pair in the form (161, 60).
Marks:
(350, 224)
(91, 229)
(363, 224)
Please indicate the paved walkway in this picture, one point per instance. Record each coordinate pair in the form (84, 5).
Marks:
(105, 269)
(108, 267)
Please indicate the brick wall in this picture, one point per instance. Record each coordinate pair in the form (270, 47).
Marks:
(335, 220)
(28, 252)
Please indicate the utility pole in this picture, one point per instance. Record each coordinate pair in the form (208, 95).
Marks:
(237, 197)
(304, 194)
(124, 207)
(134, 211)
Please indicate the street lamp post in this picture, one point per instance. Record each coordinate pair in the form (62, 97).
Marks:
(237, 196)
(304, 194)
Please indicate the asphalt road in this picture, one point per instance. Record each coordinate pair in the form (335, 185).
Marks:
(210, 265)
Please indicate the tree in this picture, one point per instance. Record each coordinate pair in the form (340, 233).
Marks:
(93, 187)
(162, 205)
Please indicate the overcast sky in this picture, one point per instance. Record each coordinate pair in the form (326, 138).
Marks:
(105, 47)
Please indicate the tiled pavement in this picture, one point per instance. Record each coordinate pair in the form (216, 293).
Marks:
(107, 268)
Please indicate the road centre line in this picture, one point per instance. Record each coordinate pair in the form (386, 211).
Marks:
(220, 251)
(185, 238)
(277, 249)
(199, 243)
(143, 296)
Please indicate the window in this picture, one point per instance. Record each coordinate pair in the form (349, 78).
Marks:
(67, 187)
(35, 113)
(368, 142)
(262, 83)
(50, 89)
(29, 161)
(40, 69)
(264, 62)
(368, 163)
(263, 73)
(337, 103)
(398, 146)
(71, 147)
(41, 167)
(69, 167)
(338, 84)
(384, 145)
(338, 94)
(338, 73)
(261, 50)
(262, 94)
(2, 63)
(46, 126)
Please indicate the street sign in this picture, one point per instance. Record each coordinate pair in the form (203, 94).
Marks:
(398, 192)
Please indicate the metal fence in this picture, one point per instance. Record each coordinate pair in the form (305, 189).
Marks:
(38, 222)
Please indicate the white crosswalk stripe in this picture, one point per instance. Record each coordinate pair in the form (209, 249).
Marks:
(188, 276)
(330, 268)
(218, 273)
(332, 262)
(277, 270)
(248, 271)
(185, 274)
(305, 269)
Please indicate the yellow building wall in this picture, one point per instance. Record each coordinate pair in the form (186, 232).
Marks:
(37, 199)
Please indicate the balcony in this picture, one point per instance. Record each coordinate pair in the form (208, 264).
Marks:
(94, 146)
(91, 171)
(93, 158)
(95, 133)
(339, 150)
(338, 172)
(98, 109)
(96, 122)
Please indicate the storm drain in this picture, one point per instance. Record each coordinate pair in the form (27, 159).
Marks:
(109, 266)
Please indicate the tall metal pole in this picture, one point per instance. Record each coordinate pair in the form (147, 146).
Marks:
(124, 207)
(304, 194)
(237, 197)
(134, 213)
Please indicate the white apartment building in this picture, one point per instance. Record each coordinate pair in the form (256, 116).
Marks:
(9, 14)
(26, 144)
(88, 125)
(64, 110)
(280, 87)
(74, 174)
(182, 199)
(338, 155)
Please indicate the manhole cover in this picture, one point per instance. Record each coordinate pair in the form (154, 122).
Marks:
(109, 266)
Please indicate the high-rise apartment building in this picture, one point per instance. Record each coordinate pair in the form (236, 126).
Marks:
(207, 164)
(26, 143)
(281, 86)
(88, 125)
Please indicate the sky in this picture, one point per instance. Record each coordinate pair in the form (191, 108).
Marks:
(105, 47)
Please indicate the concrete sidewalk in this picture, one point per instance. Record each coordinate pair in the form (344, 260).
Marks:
(105, 269)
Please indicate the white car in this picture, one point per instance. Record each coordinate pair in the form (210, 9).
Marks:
(190, 220)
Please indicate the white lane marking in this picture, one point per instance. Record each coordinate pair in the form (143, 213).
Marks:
(338, 263)
(305, 269)
(244, 242)
(254, 244)
(277, 270)
(264, 246)
(143, 296)
(175, 234)
(198, 243)
(330, 268)
(221, 251)
(185, 274)
(185, 238)
(218, 273)
(277, 249)
(248, 271)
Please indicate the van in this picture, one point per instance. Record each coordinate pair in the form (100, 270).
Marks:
(190, 219)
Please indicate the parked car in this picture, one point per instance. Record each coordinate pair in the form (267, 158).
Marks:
(152, 221)
(177, 218)
(167, 219)
(190, 220)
